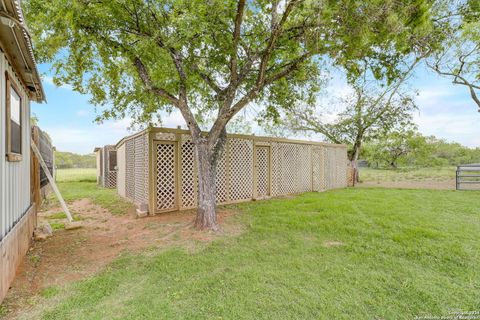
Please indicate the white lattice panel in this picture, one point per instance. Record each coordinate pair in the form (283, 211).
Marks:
(263, 171)
(341, 160)
(146, 161)
(111, 179)
(165, 172)
(130, 169)
(291, 168)
(285, 163)
(317, 169)
(141, 165)
(221, 177)
(304, 168)
(329, 168)
(241, 169)
(335, 167)
(189, 175)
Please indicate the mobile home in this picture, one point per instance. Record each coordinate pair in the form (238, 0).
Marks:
(19, 84)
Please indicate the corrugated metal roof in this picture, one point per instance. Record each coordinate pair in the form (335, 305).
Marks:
(17, 45)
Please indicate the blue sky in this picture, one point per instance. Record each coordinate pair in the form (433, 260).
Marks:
(446, 111)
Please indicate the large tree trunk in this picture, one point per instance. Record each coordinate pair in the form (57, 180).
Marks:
(206, 211)
(207, 158)
(354, 160)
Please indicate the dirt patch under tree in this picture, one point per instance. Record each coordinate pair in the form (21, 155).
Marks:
(71, 255)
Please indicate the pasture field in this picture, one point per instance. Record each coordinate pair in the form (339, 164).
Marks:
(422, 178)
(77, 174)
(408, 174)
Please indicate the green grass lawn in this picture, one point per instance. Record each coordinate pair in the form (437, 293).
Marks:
(404, 253)
(77, 174)
(407, 174)
(77, 184)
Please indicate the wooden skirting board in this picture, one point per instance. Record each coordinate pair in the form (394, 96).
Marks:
(14, 247)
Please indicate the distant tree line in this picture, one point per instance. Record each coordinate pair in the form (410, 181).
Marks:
(67, 160)
(409, 148)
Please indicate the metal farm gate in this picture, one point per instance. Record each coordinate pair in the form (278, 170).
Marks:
(468, 177)
(160, 169)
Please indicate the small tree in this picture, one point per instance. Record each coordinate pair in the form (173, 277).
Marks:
(215, 57)
(373, 109)
(402, 145)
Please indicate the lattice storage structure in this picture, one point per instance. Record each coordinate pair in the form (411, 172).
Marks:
(106, 162)
(157, 169)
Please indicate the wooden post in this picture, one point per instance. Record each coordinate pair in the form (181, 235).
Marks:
(54, 164)
(51, 181)
(35, 171)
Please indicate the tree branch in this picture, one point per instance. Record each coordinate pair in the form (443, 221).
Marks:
(311, 123)
(210, 82)
(236, 39)
(275, 31)
(393, 90)
(179, 103)
(289, 68)
(463, 81)
(147, 81)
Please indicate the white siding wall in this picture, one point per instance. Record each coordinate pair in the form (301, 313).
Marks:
(14, 176)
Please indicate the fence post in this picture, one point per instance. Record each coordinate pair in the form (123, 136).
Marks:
(54, 164)
(35, 170)
(456, 178)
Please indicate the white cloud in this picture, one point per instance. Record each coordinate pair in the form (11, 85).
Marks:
(173, 120)
(82, 113)
(436, 93)
(84, 140)
(462, 128)
(447, 112)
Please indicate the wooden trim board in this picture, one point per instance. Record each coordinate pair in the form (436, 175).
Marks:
(13, 248)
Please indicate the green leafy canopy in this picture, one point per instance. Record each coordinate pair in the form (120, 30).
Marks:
(102, 48)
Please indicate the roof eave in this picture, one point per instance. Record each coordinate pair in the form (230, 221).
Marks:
(18, 46)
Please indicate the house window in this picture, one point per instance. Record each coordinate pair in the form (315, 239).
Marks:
(14, 121)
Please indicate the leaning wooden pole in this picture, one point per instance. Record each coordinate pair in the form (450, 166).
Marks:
(51, 181)
(35, 171)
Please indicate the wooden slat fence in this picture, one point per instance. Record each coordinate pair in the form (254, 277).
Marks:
(44, 144)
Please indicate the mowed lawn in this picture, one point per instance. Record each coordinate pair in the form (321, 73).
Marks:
(343, 254)
(77, 175)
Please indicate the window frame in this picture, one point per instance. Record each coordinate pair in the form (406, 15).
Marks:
(11, 85)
